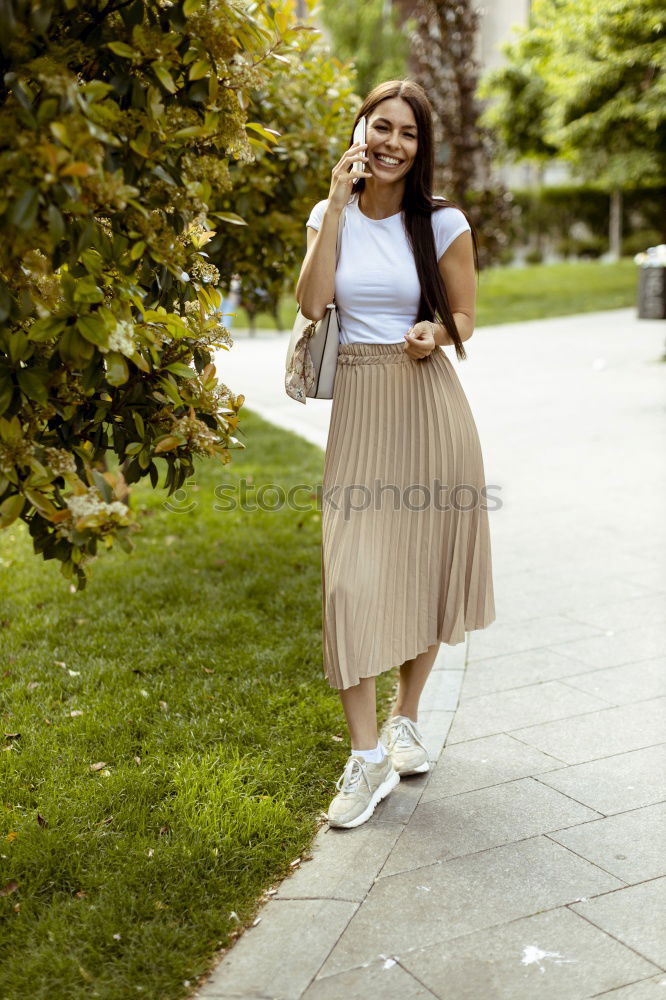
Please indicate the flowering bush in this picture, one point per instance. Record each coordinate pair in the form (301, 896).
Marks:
(117, 125)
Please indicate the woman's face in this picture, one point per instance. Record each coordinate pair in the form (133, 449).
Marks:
(391, 132)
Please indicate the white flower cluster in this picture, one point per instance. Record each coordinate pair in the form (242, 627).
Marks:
(91, 503)
(61, 461)
(121, 339)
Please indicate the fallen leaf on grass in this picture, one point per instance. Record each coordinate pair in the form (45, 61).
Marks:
(164, 706)
(257, 921)
(165, 829)
(137, 761)
(81, 894)
(12, 835)
(76, 711)
(12, 736)
(9, 887)
(98, 766)
(60, 663)
(42, 821)
(208, 670)
(294, 864)
(33, 684)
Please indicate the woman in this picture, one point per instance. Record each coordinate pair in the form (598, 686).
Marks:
(406, 560)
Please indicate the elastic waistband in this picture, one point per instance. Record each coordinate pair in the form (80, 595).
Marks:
(376, 354)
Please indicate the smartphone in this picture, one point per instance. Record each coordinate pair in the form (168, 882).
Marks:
(358, 167)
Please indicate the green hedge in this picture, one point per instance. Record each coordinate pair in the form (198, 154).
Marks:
(554, 210)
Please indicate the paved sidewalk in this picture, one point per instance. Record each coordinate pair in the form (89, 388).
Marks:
(530, 860)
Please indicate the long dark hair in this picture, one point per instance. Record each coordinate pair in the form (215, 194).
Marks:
(418, 205)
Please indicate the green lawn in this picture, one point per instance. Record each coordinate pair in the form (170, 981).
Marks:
(195, 663)
(508, 295)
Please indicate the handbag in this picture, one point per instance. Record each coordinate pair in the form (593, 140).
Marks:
(312, 354)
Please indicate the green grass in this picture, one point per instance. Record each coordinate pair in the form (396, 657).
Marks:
(509, 295)
(200, 655)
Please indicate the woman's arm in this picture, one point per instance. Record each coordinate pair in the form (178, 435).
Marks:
(316, 282)
(456, 267)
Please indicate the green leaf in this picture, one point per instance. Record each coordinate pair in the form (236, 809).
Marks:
(190, 6)
(33, 384)
(94, 329)
(231, 217)
(164, 76)
(199, 69)
(23, 211)
(117, 370)
(87, 291)
(56, 224)
(121, 49)
(46, 329)
(10, 509)
(169, 387)
(178, 368)
(263, 131)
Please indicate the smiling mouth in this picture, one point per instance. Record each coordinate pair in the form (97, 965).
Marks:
(390, 166)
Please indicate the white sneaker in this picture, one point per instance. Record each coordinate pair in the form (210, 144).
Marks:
(404, 743)
(360, 787)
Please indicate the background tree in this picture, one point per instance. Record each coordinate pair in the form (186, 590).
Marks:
(118, 123)
(309, 104)
(371, 35)
(516, 113)
(601, 66)
(444, 64)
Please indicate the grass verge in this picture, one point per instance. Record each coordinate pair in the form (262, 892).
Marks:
(193, 669)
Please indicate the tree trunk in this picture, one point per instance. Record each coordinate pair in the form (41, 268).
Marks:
(615, 224)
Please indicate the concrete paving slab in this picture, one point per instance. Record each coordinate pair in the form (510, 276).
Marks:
(435, 727)
(442, 691)
(475, 821)
(491, 760)
(403, 800)
(508, 637)
(621, 685)
(443, 901)
(504, 711)
(612, 784)
(599, 734)
(553, 956)
(629, 845)
(344, 863)
(383, 979)
(627, 646)
(635, 915)
(256, 964)
(515, 604)
(623, 614)
(513, 670)
(647, 989)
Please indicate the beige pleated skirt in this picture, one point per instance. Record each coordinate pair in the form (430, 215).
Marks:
(405, 556)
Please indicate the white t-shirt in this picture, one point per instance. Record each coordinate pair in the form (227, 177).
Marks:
(377, 289)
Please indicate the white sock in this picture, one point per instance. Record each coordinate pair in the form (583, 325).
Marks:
(375, 756)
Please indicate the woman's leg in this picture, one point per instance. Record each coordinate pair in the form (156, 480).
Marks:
(360, 708)
(413, 675)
